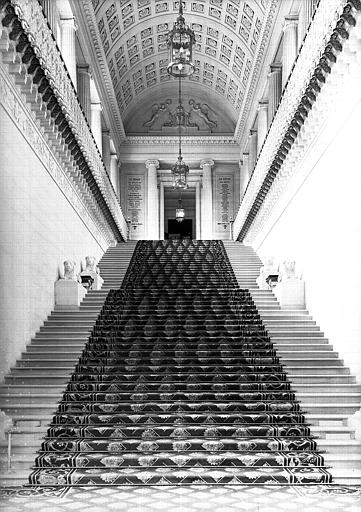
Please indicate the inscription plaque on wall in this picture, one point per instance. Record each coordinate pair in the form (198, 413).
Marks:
(224, 199)
(135, 202)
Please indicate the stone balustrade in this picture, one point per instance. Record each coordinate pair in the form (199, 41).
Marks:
(41, 39)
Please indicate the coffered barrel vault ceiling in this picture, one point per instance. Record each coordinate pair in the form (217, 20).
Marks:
(134, 39)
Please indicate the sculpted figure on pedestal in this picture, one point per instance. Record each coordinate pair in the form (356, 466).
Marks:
(69, 270)
(90, 264)
(269, 269)
(288, 271)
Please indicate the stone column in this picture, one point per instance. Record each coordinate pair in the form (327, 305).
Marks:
(307, 9)
(114, 173)
(207, 200)
(96, 124)
(49, 8)
(83, 77)
(153, 203)
(106, 149)
(274, 89)
(198, 210)
(161, 211)
(243, 175)
(68, 29)
(262, 124)
(252, 151)
(290, 49)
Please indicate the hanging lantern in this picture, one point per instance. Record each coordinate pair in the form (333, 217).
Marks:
(180, 41)
(180, 171)
(179, 213)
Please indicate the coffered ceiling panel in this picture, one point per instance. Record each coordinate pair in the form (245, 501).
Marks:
(134, 38)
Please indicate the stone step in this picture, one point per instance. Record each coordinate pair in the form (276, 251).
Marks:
(14, 479)
(280, 333)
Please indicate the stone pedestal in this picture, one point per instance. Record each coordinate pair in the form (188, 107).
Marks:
(68, 294)
(290, 293)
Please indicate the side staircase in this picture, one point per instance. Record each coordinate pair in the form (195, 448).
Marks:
(327, 391)
(32, 389)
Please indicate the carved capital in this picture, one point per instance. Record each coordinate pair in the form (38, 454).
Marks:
(96, 106)
(207, 162)
(152, 163)
(290, 21)
(262, 105)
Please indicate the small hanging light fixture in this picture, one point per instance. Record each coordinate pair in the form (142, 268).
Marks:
(180, 41)
(179, 213)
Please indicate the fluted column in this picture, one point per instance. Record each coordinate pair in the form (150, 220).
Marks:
(68, 29)
(305, 16)
(153, 203)
(49, 8)
(96, 123)
(274, 89)
(207, 200)
(289, 48)
(262, 124)
(83, 78)
(198, 210)
(114, 173)
(252, 150)
(106, 149)
(161, 211)
(243, 175)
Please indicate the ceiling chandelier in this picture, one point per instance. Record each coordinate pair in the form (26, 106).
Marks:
(180, 41)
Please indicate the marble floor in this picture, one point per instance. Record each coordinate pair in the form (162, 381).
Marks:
(185, 499)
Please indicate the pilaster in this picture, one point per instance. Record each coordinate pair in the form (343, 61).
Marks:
(83, 82)
(274, 89)
(290, 48)
(153, 201)
(207, 200)
(262, 124)
(68, 28)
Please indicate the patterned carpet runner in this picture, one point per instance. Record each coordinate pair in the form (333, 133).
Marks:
(179, 384)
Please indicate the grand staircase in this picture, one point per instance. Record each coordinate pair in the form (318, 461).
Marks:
(31, 391)
(179, 384)
(325, 388)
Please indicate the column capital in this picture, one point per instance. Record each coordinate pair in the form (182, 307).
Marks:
(83, 68)
(206, 162)
(113, 156)
(262, 105)
(152, 163)
(275, 67)
(96, 106)
(68, 21)
(252, 133)
(290, 20)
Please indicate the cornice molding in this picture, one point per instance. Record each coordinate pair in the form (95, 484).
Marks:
(186, 140)
(11, 99)
(88, 28)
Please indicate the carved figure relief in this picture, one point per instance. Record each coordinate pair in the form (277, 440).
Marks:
(90, 265)
(164, 116)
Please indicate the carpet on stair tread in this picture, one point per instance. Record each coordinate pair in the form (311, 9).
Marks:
(179, 383)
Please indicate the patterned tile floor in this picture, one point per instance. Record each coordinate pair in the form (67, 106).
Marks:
(186, 499)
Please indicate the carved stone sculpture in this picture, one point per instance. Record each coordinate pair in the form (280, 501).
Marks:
(202, 112)
(69, 270)
(90, 264)
(269, 269)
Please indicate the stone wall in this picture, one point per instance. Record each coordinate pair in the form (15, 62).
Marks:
(39, 229)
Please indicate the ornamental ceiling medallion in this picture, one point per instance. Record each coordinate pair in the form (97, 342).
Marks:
(134, 38)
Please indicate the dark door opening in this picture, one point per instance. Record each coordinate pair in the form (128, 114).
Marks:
(179, 230)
